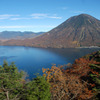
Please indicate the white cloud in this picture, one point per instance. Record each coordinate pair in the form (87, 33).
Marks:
(7, 16)
(32, 16)
(39, 15)
(42, 16)
(12, 27)
(19, 18)
(77, 12)
(64, 8)
(15, 18)
(27, 26)
(55, 17)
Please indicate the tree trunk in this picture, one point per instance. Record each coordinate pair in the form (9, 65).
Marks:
(7, 95)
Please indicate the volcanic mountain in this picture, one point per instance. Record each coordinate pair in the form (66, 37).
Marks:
(77, 31)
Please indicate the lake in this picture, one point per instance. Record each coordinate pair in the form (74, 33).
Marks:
(32, 60)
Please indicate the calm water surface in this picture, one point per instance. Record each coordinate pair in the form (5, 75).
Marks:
(32, 60)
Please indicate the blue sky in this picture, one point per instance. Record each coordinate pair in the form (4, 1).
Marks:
(42, 15)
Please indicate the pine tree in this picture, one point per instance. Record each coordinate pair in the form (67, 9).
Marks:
(10, 81)
(38, 89)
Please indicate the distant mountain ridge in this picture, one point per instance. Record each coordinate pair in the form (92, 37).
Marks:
(18, 34)
(77, 31)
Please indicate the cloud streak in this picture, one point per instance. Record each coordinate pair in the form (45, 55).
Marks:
(32, 16)
(19, 18)
(27, 26)
(43, 16)
(77, 12)
(39, 16)
(64, 8)
(7, 16)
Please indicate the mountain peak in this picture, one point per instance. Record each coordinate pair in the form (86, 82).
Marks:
(83, 14)
(82, 20)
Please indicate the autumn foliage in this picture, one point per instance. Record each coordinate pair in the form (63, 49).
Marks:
(76, 82)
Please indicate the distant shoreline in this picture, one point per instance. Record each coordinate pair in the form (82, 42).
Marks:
(89, 47)
(54, 48)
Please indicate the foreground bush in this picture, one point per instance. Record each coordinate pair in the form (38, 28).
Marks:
(14, 87)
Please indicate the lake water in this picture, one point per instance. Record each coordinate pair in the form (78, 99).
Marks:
(32, 60)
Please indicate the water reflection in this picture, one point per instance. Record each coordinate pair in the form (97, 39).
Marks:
(73, 53)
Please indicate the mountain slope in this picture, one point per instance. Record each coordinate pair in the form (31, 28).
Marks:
(81, 30)
(18, 34)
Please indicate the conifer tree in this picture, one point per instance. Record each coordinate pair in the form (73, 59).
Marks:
(10, 82)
